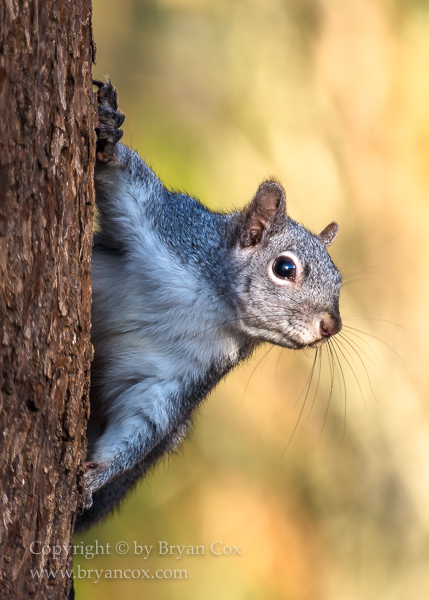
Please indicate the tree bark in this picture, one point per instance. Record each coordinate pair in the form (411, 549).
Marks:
(47, 149)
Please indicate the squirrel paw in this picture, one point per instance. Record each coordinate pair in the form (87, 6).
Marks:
(110, 120)
(95, 477)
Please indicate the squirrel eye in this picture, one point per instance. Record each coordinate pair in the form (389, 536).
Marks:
(285, 268)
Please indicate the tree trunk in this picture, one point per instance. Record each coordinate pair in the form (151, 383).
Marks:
(47, 146)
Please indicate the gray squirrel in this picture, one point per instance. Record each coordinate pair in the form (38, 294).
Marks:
(181, 295)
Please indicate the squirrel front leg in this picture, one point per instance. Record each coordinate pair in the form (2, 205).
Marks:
(124, 185)
(120, 448)
(96, 475)
(139, 419)
(110, 495)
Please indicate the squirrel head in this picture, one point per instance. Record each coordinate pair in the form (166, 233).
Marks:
(287, 286)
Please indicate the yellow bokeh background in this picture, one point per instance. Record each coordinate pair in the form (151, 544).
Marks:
(327, 494)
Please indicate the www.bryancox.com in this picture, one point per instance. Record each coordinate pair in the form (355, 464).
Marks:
(97, 574)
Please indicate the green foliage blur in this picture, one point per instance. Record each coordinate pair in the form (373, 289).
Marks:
(326, 490)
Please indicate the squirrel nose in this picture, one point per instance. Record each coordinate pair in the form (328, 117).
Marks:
(330, 324)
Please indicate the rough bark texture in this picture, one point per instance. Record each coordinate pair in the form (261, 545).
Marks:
(46, 203)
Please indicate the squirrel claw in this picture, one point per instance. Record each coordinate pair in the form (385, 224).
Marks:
(91, 464)
(95, 475)
(110, 120)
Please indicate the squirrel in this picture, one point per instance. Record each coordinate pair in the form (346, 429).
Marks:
(181, 295)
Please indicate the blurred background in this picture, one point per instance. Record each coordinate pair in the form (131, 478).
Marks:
(327, 494)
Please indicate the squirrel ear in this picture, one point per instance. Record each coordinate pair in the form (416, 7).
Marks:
(268, 203)
(328, 235)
